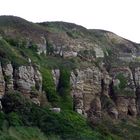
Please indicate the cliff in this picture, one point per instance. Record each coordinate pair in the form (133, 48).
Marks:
(65, 66)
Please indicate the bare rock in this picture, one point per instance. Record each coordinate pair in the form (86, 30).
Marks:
(35, 101)
(56, 110)
(56, 76)
(2, 83)
(137, 76)
(69, 54)
(126, 106)
(95, 108)
(106, 81)
(113, 112)
(38, 79)
(41, 47)
(86, 84)
(8, 74)
(0, 106)
(27, 79)
(78, 102)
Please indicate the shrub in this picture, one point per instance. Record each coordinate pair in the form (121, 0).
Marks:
(14, 119)
(2, 119)
(14, 101)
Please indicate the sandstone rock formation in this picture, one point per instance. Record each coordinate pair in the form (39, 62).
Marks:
(27, 79)
(2, 83)
(86, 86)
(8, 76)
(56, 76)
(102, 81)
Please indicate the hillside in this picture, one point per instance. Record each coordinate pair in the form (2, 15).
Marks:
(60, 80)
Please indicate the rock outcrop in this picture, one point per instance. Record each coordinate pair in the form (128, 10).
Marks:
(136, 74)
(8, 76)
(28, 79)
(2, 83)
(124, 91)
(126, 106)
(102, 79)
(56, 76)
(86, 85)
(97, 92)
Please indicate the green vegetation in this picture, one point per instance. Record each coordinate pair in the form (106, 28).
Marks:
(119, 130)
(21, 112)
(107, 103)
(123, 81)
(7, 53)
(121, 89)
(24, 120)
(49, 87)
(64, 89)
(22, 133)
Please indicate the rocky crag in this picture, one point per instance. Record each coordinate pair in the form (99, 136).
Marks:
(104, 68)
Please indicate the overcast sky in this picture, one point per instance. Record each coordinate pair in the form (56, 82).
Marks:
(119, 16)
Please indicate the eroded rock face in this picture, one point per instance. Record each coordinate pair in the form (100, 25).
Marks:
(78, 102)
(124, 91)
(137, 76)
(8, 74)
(126, 106)
(0, 106)
(56, 76)
(136, 73)
(86, 85)
(2, 83)
(105, 82)
(89, 85)
(95, 108)
(69, 54)
(38, 80)
(28, 79)
(123, 81)
(41, 47)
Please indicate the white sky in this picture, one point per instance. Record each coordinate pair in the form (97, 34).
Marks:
(119, 16)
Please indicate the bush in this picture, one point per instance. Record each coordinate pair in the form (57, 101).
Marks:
(2, 119)
(13, 101)
(14, 119)
(66, 124)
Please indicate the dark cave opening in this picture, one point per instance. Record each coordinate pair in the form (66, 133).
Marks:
(129, 113)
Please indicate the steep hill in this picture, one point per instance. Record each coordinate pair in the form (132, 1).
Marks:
(62, 81)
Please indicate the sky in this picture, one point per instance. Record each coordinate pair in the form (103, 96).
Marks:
(119, 16)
